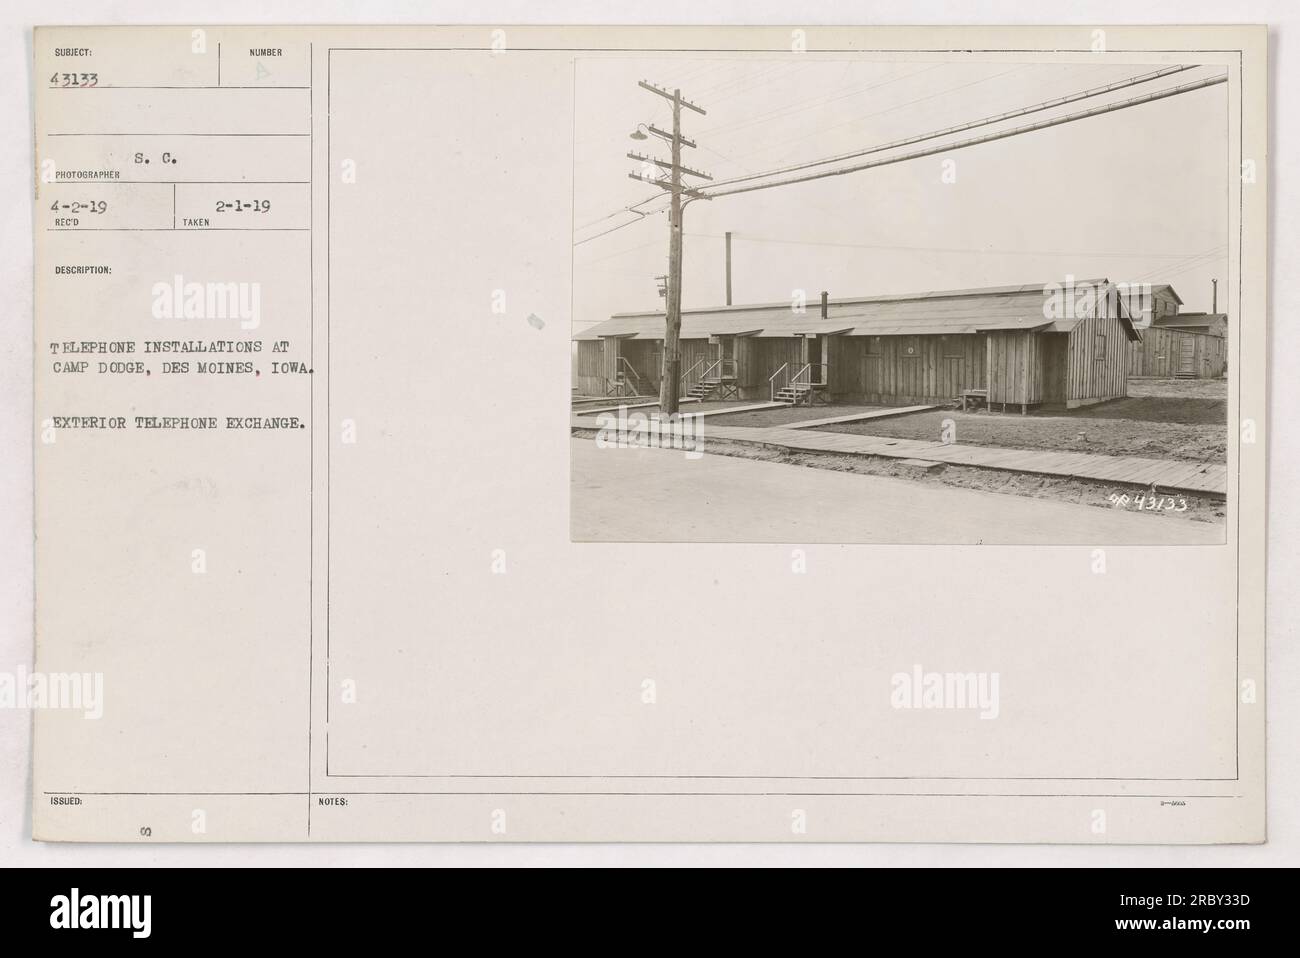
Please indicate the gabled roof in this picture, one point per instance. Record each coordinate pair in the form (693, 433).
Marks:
(1191, 319)
(1166, 288)
(942, 312)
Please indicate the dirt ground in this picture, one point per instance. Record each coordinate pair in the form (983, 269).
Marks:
(1160, 419)
(1164, 419)
(1083, 492)
(1180, 388)
(1110, 437)
(1191, 412)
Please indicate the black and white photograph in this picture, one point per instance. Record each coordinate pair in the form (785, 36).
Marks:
(961, 299)
(707, 436)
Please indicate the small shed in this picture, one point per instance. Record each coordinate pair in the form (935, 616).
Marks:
(1182, 346)
(1017, 346)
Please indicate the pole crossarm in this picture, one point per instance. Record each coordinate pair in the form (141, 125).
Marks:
(675, 96)
(669, 186)
(633, 155)
(669, 137)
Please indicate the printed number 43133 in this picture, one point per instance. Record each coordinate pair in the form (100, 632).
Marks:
(74, 79)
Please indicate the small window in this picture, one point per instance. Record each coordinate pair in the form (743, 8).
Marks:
(1099, 347)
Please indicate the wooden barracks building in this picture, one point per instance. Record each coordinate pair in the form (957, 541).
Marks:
(1006, 346)
(1175, 344)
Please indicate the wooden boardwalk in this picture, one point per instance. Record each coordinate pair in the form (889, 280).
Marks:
(1164, 474)
(860, 416)
(643, 404)
(726, 411)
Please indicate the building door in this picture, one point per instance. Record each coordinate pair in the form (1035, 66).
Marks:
(951, 385)
(872, 372)
(726, 357)
(1187, 356)
(810, 353)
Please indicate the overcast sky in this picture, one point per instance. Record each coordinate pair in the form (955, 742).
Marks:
(1138, 195)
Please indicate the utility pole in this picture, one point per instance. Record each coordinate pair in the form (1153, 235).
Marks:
(728, 267)
(672, 367)
(1214, 296)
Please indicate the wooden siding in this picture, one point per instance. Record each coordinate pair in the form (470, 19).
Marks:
(906, 369)
(588, 369)
(1097, 370)
(597, 361)
(1014, 367)
(747, 371)
(646, 357)
(1160, 354)
(1027, 368)
(695, 351)
(1054, 351)
(598, 366)
(609, 359)
(766, 357)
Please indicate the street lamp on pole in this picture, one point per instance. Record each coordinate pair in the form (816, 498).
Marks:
(677, 189)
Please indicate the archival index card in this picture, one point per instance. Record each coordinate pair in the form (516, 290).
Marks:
(649, 434)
